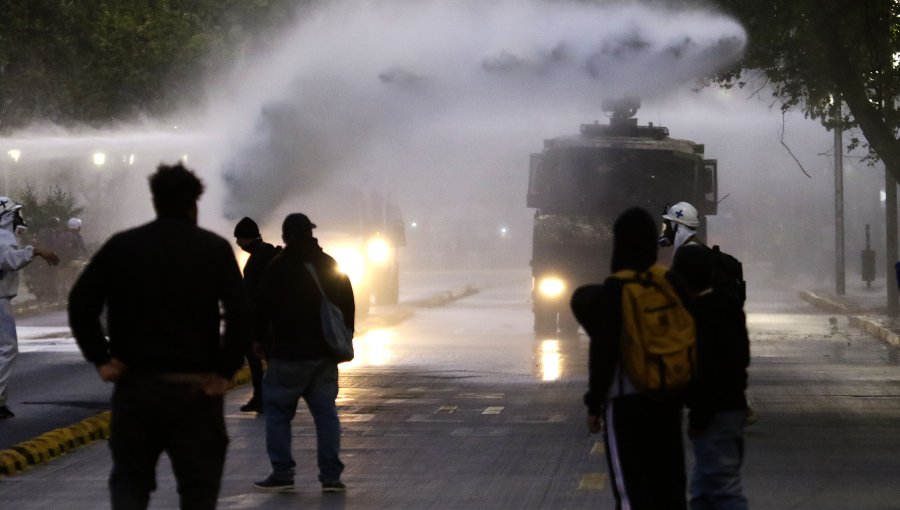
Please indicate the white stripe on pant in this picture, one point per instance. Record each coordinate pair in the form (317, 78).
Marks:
(612, 447)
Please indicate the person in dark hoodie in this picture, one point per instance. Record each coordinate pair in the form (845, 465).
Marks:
(643, 438)
(247, 236)
(165, 286)
(718, 407)
(288, 321)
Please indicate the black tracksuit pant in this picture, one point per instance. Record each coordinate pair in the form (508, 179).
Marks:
(645, 453)
(150, 416)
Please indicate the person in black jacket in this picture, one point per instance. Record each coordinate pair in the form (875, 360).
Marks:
(288, 321)
(718, 407)
(642, 435)
(163, 284)
(247, 236)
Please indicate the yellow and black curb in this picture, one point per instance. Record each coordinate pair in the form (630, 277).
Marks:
(57, 442)
(53, 444)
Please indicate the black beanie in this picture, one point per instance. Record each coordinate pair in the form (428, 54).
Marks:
(634, 240)
(246, 229)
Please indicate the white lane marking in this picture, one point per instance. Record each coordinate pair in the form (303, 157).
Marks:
(46, 339)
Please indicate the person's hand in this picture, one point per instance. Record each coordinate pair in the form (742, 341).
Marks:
(214, 385)
(47, 255)
(594, 424)
(112, 370)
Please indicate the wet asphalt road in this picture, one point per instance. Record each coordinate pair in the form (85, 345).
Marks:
(460, 406)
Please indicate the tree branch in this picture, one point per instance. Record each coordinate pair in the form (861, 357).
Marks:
(788, 149)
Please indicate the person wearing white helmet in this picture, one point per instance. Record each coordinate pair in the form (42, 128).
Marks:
(72, 254)
(680, 224)
(12, 258)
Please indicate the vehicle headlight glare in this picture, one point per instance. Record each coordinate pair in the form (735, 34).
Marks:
(551, 286)
(378, 250)
(350, 262)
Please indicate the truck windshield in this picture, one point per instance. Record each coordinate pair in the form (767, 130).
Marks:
(605, 181)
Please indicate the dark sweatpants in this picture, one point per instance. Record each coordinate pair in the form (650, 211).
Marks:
(645, 453)
(150, 416)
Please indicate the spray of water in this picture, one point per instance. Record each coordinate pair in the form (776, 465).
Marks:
(445, 95)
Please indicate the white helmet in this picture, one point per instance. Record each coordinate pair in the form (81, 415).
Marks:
(8, 205)
(74, 224)
(683, 213)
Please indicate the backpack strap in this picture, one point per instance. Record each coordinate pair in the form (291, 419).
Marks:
(312, 271)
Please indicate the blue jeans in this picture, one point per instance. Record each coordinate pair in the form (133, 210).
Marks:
(284, 383)
(718, 456)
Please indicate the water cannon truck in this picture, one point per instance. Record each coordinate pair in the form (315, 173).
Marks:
(579, 184)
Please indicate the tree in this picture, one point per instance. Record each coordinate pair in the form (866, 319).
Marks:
(57, 203)
(811, 51)
(98, 61)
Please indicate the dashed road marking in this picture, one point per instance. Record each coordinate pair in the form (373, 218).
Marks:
(446, 409)
(492, 410)
(598, 449)
(482, 395)
(593, 482)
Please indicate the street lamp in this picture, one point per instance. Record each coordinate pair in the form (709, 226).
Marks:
(99, 158)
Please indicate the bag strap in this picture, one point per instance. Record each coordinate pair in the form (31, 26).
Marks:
(312, 271)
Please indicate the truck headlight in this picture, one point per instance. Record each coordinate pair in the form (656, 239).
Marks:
(350, 262)
(551, 286)
(378, 250)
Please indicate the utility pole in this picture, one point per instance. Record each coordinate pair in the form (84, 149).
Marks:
(839, 278)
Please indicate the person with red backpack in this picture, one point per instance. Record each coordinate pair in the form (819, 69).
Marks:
(634, 393)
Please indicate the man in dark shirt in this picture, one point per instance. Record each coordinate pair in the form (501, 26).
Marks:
(288, 321)
(163, 285)
(247, 236)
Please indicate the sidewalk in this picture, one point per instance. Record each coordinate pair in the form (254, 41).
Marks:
(866, 309)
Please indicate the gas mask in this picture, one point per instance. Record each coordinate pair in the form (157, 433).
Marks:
(667, 234)
(19, 225)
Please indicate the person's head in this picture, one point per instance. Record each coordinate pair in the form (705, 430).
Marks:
(246, 234)
(634, 240)
(296, 228)
(175, 191)
(11, 216)
(693, 263)
(680, 215)
(74, 224)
